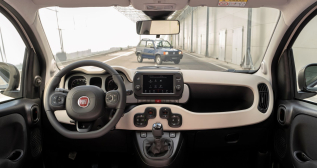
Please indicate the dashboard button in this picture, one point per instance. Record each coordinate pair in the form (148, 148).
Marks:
(150, 112)
(178, 87)
(175, 120)
(137, 87)
(143, 134)
(141, 119)
(172, 134)
(164, 112)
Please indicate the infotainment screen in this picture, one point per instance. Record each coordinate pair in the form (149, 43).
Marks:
(158, 84)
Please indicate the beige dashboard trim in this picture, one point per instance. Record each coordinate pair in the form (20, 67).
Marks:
(212, 120)
(202, 121)
(194, 121)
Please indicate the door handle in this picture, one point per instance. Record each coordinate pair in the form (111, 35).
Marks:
(301, 156)
(15, 155)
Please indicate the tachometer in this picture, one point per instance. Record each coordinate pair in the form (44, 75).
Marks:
(110, 84)
(78, 82)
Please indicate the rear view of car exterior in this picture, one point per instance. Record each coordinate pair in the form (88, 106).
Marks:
(159, 50)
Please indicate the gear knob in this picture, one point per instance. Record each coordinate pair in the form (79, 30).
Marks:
(157, 130)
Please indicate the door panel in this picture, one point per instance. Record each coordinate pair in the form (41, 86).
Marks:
(20, 142)
(13, 142)
(149, 50)
(298, 130)
(148, 53)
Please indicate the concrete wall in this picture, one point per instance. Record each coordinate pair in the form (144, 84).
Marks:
(305, 46)
(78, 54)
(263, 24)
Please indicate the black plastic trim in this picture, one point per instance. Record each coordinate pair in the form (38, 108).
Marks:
(264, 95)
(206, 98)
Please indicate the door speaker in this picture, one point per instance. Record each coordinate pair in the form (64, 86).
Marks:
(280, 144)
(36, 142)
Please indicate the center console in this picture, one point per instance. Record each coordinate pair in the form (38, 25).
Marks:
(159, 148)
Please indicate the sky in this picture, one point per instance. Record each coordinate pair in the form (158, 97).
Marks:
(97, 28)
(94, 28)
(14, 46)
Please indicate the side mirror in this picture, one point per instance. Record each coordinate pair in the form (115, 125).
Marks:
(9, 78)
(307, 78)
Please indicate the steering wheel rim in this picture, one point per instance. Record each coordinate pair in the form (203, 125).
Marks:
(53, 84)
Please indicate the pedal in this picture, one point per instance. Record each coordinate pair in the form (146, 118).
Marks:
(72, 155)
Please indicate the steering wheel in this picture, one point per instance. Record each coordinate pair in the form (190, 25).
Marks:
(84, 104)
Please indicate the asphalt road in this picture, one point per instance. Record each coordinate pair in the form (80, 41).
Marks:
(128, 59)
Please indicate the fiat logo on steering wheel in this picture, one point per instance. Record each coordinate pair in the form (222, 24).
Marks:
(83, 101)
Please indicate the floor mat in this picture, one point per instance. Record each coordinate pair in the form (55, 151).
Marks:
(229, 159)
(89, 160)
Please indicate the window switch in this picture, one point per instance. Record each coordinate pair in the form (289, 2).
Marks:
(172, 134)
(143, 134)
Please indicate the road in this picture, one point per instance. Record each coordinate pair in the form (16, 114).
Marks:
(128, 59)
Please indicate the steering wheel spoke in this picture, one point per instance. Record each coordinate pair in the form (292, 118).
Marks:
(84, 126)
(58, 100)
(112, 99)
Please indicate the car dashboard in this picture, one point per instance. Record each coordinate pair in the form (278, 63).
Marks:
(185, 100)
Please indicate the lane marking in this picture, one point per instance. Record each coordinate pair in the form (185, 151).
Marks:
(207, 62)
(126, 54)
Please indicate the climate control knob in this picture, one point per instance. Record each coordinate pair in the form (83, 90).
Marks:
(137, 87)
(178, 87)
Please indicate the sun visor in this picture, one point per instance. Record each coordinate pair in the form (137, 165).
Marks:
(82, 3)
(238, 3)
(159, 5)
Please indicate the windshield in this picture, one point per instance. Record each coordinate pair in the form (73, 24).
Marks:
(210, 38)
(162, 44)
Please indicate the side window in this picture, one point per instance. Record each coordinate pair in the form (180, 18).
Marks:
(142, 43)
(149, 44)
(12, 51)
(166, 44)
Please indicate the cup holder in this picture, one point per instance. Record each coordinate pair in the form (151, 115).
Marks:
(15, 155)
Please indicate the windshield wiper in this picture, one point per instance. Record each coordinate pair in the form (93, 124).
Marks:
(159, 67)
(241, 71)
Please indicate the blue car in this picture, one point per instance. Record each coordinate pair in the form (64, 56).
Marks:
(159, 50)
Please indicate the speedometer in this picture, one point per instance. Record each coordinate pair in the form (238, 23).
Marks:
(77, 82)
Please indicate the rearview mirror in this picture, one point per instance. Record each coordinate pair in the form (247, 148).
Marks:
(157, 27)
(307, 78)
(9, 77)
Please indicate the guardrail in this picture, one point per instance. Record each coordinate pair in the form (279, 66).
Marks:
(87, 53)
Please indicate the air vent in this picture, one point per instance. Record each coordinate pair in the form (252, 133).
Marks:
(263, 97)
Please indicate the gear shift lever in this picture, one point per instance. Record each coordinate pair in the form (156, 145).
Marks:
(157, 130)
(158, 145)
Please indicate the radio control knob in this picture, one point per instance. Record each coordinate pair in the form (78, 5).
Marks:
(178, 87)
(137, 87)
